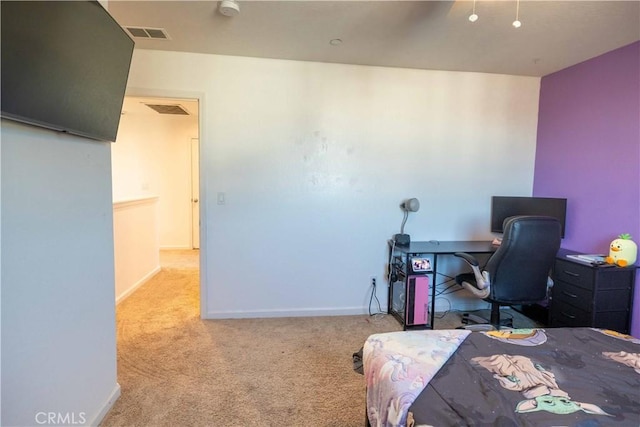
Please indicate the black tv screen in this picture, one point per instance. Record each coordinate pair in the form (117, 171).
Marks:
(65, 66)
(503, 207)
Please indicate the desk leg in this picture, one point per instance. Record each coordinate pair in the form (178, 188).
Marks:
(433, 291)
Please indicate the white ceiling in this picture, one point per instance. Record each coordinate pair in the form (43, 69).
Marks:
(433, 35)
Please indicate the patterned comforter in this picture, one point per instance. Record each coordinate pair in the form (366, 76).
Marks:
(397, 367)
(521, 377)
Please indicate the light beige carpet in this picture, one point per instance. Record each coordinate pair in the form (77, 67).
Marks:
(178, 370)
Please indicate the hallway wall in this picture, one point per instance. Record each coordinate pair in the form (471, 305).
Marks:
(152, 157)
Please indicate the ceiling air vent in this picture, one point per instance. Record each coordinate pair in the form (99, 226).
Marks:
(169, 109)
(149, 33)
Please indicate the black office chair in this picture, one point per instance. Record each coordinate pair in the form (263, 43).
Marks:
(518, 271)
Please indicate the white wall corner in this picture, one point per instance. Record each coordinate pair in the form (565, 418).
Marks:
(135, 286)
(115, 394)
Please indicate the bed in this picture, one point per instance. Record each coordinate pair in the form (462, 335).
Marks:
(519, 377)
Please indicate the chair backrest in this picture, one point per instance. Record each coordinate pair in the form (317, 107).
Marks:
(520, 267)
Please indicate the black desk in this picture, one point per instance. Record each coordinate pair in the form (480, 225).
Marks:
(448, 248)
(412, 289)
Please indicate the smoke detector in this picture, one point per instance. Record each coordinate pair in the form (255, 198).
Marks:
(229, 7)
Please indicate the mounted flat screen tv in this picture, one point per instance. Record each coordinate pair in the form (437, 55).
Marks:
(503, 207)
(65, 66)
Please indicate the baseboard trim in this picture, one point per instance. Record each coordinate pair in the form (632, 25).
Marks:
(115, 394)
(302, 312)
(139, 283)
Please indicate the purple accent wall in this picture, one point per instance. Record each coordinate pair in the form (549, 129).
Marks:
(588, 151)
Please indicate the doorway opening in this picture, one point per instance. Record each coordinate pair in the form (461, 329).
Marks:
(155, 161)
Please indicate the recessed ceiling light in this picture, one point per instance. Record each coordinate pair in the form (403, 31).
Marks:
(335, 42)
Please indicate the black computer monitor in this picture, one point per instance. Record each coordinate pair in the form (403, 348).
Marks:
(503, 207)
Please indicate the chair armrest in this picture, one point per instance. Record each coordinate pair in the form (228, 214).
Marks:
(469, 258)
(481, 287)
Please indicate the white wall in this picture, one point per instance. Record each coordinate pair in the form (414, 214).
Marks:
(314, 160)
(136, 247)
(152, 157)
(58, 317)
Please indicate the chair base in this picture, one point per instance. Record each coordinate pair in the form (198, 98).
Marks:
(472, 320)
(481, 327)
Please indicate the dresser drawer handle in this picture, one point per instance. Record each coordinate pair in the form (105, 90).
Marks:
(568, 315)
(571, 273)
(570, 295)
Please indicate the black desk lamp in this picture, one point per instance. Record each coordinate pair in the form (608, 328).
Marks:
(409, 205)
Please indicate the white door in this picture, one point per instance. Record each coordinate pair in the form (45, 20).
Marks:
(195, 193)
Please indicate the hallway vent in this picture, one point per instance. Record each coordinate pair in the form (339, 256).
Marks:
(148, 33)
(169, 109)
